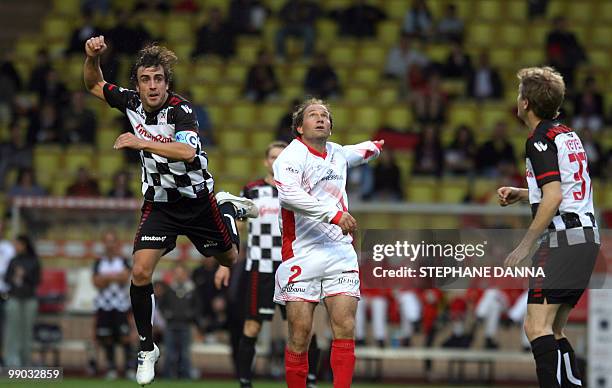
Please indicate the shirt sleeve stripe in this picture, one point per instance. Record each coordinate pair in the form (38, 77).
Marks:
(547, 174)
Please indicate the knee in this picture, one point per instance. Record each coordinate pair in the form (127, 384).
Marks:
(558, 331)
(299, 335)
(251, 328)
(141, 274)
(534, 330)
(344, 328)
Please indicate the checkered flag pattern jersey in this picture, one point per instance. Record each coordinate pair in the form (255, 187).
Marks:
(163, 179)
(265, 241)
(115, 296)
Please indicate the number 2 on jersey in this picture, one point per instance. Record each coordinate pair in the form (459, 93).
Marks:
(297, 271)
(579, 157)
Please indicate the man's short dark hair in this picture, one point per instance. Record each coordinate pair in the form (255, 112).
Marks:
(153, 55)
(544, 90)
(298, 115)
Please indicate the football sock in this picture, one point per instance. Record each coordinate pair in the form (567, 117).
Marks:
(143, 304)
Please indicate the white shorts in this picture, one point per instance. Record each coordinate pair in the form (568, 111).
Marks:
(325, 270)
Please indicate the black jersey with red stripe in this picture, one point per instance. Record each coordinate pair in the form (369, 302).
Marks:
(555, 153)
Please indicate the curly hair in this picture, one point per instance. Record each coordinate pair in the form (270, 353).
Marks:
(544, 89)
(153, 55)
(298, 115)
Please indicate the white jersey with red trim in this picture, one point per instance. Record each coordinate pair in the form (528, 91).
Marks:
(312, 193)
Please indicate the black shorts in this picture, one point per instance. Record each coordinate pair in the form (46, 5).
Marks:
(197, 218)
(568, 270)
(112, 323)
(260, 296)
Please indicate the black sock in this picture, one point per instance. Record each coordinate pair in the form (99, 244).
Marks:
(142, 307)
(546, 353)
(246, 355)
(109, 349)
(128, 357)
(313, 360)
(228, 209)
(570, 374)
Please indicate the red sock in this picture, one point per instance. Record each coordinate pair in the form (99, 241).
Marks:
(296, 369)
(343, 362)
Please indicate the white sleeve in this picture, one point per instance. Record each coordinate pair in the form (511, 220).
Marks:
(288, 177)
(360, 153)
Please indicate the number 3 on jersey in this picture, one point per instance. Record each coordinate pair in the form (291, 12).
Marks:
(579, 157)
(297, 271)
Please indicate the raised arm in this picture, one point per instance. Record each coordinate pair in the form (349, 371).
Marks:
(363, 152)
(92, 73)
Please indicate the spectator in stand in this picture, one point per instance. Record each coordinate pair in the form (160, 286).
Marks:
(178, 305)
(321, 79)
(496, 152)
(38, 75)
(216, 37)
(428, 154)
(261, 82)
(298, 19)
(450, 27)
(79, 36)
(418, 20)
(161, 6)
(121, 186)
(26, 185)
(247, 16)
(95, 6)
(484, 82)
(360, 19)
(430, 101)
(536, 8)
(16, 153)
(7, 252)
(588, 107)
(10, 85)
(84, 186)
(458, 63)
(210, 315)
(187, 6)
(378, 303)
(283, 130)
(109, 63)
(53, 91)
(22, 277)
(563, 51)
(595, 154)
(411, 312)
(387, 179)
(405, 54)
(79, 122)
(49, 124)
(127, 36)
(460, 157)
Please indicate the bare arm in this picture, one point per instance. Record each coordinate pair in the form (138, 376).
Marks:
(92, 73)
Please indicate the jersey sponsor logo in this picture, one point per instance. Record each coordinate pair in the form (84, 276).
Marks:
(291, 287)
(142, 338)
(331, 176)
(209, 244)
(265, 210)
(153, 238)
(199, 187)
(528, 173)
(140, 129)
(348, 280)
(540, 146)
(187, 109)
(292, 170)
(187, 137)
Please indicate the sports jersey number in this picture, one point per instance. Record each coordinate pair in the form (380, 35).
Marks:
(297, 271)
(579, 157)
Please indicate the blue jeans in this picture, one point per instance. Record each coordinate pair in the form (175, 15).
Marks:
(178, 351)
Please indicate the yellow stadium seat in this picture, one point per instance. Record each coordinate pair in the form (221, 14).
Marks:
(67, 7)
(388, 32)
(27, 47)
(77, 157)
(555, 8)
(513, 35)
(260, 140)
(531, 56)
(247, 52)
(335, 4)
(582, 34)
(600, 35)
(599, 58)
(342, 118)
(464, 8)
(399, 117)
(343, 74)
(387, 94)
(421, 190)
(232, 139)
(438, 52)
(215, 160)
(488, 10)
(223, 5)
(454, 87)
(297, 73)
(270, 114)
(242, 114)
(462, 113)
(483, 187)
(516, 9)
(240, 166)
(105, 138)
(482, 34)
(342, 54)
(356, 94)
(326, 30)
(356, 137)
(203, 91)
(178, 29)
(367, 117)
(491, 113)
(110, 162)
(404, 161)
(604, 10)
(236, 72)
(366, 75)
(292, 91)
(60, 184)
(373, 54)
(57, 28)
(275, 5)
(396, 9)
(537, 33)
(228, 93)
(501, 57)
(217, 114)
(47, 161)
(580, 11)
(182, 49)
(207, 72)
(452, 191)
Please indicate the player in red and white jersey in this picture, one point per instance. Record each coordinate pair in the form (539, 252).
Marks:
(319, 261)
(561, 197)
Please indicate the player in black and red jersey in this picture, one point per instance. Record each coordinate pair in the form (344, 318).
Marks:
(561, 198)
(176, 185)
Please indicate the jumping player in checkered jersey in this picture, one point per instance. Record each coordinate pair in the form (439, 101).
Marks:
(263, 258)
(319, 261)
(176, 184)
(561, 198)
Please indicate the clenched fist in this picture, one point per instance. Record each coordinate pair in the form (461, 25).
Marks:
(347, 223)
(95, 46)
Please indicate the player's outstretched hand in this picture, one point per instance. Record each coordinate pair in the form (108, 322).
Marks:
(508, 195)
(347, 223)
(517, 256)
(222, 277)
(379, 144)
(95, 46)
(128, 140)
